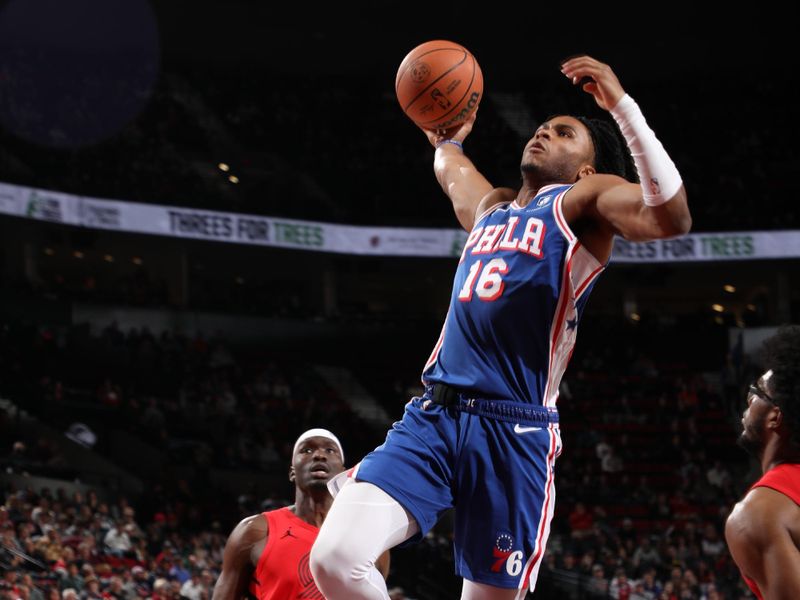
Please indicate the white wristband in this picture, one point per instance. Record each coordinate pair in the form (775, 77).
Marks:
(657, 173)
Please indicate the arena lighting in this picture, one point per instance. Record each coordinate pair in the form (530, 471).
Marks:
(137, 261)
(717, 308)
(729, 288)
(233, 179)
(224, 167)
(751, 307)
(108, 258)
(77, 254)
(635, 317)
(49, 251)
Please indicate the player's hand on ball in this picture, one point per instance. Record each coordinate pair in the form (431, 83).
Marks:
(457, 134)
(596, 78)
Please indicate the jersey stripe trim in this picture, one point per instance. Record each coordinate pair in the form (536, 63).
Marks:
(559, 322)
(585, 285)
(531, 571)
(435, 354)
(561, 221)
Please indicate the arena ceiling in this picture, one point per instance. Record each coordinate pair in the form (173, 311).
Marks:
(509, 38)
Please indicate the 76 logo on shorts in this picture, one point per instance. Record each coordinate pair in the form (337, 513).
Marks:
(505, 556)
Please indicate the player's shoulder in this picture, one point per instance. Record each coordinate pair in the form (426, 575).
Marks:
(500, 195)
(590, 187)
(495, 197)
(756, 517)
(251, 528)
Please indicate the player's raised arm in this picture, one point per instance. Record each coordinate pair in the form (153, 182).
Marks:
(458, 176)
(656, 208)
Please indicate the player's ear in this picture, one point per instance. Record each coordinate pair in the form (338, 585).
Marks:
(291, 474)
(585, 171)
(775, 418)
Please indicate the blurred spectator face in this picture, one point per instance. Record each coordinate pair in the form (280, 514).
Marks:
(161, 589)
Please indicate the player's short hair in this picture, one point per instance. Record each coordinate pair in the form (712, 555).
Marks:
(781, 353)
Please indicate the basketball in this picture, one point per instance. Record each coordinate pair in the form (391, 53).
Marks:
(439, 84)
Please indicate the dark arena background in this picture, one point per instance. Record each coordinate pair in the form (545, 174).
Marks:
(219, 230)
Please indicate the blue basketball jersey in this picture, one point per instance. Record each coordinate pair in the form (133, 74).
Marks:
(519, 291)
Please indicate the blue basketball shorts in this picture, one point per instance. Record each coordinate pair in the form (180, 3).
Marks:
(495, 466)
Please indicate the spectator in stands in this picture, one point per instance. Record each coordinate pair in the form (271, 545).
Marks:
(69, 594)
(620, 587)
(718, 475)
(712, 543)
(115, 589)
(646, 555)
(193, 587)
(598, 584)
(117, 541)
(580, 520)
(651, 588)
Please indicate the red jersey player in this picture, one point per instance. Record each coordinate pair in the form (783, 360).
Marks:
(267, 554)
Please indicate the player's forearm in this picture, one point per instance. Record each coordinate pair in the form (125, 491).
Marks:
(461, 181)
(662, 188)
(673, 217)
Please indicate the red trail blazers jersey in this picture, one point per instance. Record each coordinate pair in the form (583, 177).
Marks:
(785, 479)
(282, 572)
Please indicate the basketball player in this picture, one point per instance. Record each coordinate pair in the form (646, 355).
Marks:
(267, 554)
(763, 531)
(484, 436)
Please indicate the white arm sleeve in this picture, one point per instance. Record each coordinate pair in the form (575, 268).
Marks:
(657, 173)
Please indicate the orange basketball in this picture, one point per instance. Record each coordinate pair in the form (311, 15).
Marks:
(439, 84)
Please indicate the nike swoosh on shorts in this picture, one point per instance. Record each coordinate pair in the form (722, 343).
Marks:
(518, 429)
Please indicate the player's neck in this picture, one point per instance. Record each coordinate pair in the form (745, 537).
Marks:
(529, 190)
(777, 454)
(312, 508)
